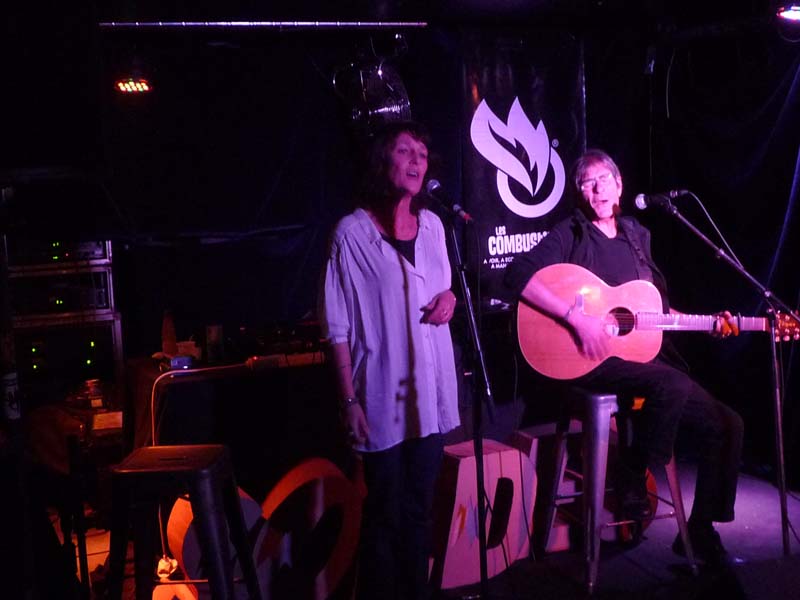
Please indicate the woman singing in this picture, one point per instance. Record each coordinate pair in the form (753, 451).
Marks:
(385, 310)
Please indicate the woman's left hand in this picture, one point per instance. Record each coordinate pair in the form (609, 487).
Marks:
(439, 310)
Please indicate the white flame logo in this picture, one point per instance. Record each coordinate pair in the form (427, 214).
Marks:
(486, 125)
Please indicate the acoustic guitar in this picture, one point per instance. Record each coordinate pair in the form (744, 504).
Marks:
(634, 318)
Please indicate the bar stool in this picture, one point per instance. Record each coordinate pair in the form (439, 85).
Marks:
(154, 474)
(595, 410)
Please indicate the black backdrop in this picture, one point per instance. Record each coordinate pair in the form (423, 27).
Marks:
(220, 188)
(524, 124)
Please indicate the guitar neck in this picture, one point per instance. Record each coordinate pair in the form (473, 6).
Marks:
(670, 322)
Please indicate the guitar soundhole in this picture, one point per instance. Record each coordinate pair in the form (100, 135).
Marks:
(621, 321)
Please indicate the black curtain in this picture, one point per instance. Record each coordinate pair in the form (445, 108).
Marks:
(714, 111)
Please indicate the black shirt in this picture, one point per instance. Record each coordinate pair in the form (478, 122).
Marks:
(404, 247)
(614, 257)
(576, 240)
(616, 261)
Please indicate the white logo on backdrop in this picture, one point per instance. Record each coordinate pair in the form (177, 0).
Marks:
(486, 127)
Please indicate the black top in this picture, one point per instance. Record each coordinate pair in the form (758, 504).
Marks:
(576, 240)
(404, 247)
(616, 261)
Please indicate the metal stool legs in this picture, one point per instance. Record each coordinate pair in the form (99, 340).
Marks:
(595, 411)
(212, 533)
(596, 428)
(680, 513)
(548, 487)
(152, 474)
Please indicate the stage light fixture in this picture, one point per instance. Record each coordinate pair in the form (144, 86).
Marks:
(131, 85)
(373, 89)
(790, 12)
(375, 93)
(133, 78)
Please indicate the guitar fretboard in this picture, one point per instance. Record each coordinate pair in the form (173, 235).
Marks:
(682, 322)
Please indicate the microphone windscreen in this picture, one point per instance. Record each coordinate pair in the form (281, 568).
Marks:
(641, 201)
(432, 185)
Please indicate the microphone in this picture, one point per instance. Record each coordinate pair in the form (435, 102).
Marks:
(662, 200)
(435, 190)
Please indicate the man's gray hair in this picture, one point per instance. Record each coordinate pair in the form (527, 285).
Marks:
(589, 158)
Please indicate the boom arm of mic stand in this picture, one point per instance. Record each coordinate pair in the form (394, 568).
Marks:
(772, 300)
(768, 296)
(477, 417)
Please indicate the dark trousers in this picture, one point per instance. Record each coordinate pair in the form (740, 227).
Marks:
(673, 400)
(397, 523)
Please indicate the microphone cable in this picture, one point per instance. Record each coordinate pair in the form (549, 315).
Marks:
(167, 564)
(716, 229)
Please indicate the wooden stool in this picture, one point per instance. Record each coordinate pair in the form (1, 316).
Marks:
(156, 473)
(595, 410)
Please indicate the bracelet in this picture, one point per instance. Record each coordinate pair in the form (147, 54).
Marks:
(569, 312)
(348, 402)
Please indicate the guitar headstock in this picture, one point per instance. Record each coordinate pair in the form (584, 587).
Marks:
(787, 328)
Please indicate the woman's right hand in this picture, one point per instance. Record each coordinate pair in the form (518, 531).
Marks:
(355, 424)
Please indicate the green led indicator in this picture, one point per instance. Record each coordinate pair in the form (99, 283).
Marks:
(56, 244)
(35, 367)
(33, 350)
(88, 361)
(55, 257)
(91, 344)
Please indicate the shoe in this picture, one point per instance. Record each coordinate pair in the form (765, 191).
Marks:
(706, 545)
(631, 492)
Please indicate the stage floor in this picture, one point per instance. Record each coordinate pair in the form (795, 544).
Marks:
(650, 569)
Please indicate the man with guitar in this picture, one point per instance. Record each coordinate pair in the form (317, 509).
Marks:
(616, 249)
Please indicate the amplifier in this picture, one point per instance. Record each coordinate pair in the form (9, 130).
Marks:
(289, 338)
(25, 254)
(55, 355)
(62, 292)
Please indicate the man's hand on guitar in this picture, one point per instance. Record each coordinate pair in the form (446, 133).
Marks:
(592, 334)
(559, 340)
(725, 325)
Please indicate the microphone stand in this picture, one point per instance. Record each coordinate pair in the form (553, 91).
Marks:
(477, 406)
(772, 301)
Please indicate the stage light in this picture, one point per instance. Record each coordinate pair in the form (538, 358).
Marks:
(790, 12)
(130, 85)
(787, 23)
(133, 77)
(373, 89)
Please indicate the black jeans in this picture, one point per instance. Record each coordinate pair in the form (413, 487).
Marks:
(396, 528)
(672, 400)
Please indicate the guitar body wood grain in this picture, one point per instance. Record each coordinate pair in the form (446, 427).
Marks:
(549, 346)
